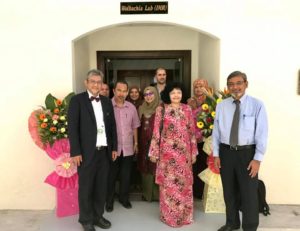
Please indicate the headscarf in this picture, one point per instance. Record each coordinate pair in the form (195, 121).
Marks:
(149, 109)
(196, 101)
(200, 81)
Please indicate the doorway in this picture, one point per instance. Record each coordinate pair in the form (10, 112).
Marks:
(138, 67)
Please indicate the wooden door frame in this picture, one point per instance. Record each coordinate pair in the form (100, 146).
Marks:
(184, 55)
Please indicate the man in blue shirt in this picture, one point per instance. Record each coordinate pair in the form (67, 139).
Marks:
(239, 140)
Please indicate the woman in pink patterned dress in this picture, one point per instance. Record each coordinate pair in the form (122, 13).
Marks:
(174, 148)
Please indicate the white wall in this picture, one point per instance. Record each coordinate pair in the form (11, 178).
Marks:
(145, 37)
(258, 37)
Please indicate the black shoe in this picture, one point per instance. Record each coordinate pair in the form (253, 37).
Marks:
(103, 223)
(126, 204)
(227, 228)
(88, 227)
(109, 207)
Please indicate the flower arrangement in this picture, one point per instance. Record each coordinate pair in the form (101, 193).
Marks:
(52, 119)
(213, 201)
(48, 129)
(206, 116)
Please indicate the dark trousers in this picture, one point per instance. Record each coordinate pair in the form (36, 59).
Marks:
(93, 187)
(120, 167)
(240, 190)
(199, 166)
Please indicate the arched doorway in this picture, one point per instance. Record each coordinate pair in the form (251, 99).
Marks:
(149, 37)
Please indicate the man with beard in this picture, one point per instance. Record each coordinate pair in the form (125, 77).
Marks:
(160, 79)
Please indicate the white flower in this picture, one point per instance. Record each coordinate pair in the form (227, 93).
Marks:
(45, 120)
(62, 130)
(62, 118)
(55, 122)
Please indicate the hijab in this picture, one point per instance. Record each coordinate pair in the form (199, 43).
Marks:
(149, 108)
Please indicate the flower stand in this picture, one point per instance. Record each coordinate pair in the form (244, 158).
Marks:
(66, 202)
(48, 129)
(213, 199)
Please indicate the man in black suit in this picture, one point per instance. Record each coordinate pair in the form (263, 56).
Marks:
(93, 142)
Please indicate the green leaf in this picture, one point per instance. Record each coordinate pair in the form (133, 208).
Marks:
(50, 102)
(67, 99)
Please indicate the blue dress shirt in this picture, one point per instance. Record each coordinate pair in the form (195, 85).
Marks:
(253, 124)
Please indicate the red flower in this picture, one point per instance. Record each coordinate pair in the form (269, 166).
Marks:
(44, 125)
(58, 102)
(53, 129)
(208, 120)
(42, 116)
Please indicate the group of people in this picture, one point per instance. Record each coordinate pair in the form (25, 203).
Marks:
(160, 131)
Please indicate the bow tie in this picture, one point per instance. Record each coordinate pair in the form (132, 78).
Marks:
(95, 98)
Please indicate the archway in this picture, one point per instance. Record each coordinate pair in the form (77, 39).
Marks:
(205, 50)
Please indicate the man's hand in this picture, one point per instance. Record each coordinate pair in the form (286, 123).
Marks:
(135, 148)
(253, 167)
(217, 162)
(77, 160)
(114, 155)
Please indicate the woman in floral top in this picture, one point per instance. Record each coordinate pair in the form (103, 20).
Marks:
(174, 149)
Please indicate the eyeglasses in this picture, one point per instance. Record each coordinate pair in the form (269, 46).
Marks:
(95, 82)
(148, 94)
(240, 83)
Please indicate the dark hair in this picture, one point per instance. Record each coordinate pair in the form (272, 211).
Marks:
(122, 82)
(160, 68)
(165, 94)
(237, 73)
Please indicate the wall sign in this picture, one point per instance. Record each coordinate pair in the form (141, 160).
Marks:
(144, 7)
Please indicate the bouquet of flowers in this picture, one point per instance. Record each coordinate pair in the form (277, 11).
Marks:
(206, 116)
(48, 129)
(52, 119)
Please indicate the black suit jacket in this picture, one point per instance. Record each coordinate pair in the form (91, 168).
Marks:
(82, 127)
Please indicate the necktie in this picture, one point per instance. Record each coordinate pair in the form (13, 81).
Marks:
(95, 98)
(234, 133)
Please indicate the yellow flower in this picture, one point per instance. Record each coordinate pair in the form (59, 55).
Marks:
(211, 127)
(204, 106)
(219, 100)
(200, 124)
(62, 118)
(213, 114)
(62, 130)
